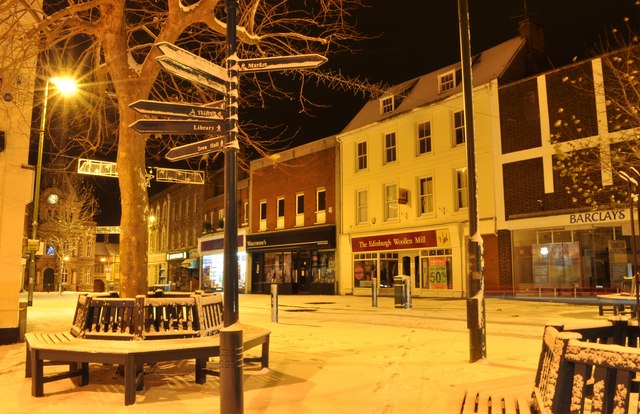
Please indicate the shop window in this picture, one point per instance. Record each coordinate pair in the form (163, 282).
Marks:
(280, 213)
(323, 267)
(436, 269)
(300, 209)
(388, 268)
(364, 269)
(362, 207)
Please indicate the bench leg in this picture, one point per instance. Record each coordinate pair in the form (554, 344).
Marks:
(265, 354)
(130, 381)
(37, 372)
(27, 364)
(84, 368)
(201, 370)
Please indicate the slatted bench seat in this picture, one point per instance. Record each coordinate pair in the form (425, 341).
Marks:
(134, 332)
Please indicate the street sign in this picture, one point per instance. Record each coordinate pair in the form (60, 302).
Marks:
(177, 126)
(33, 245)
(195, 148)
(281, 63)
(188, 59)
(191, 74)
(171, 109)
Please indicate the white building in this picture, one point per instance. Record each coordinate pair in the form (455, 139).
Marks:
(16, 181)
(404, 181)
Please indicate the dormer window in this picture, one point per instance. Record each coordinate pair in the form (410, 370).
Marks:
(386, 105)
(446, 81)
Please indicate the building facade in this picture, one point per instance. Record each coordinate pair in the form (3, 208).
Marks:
(16, 182)
(556, 238)
(293, 213)
(404, 180)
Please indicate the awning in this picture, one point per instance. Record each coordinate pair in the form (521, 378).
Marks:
(190, 263)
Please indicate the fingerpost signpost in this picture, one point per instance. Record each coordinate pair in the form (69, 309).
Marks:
(221, 124)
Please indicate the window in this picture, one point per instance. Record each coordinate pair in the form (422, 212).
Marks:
(300, 209)
(245, 212)
(389, 147)
(386, 105)
(424, 138)
(446, 81)
(263, 215)
(362, 156)
(425, 194)
(364, 269)
(280, 213)
(462, 189)
(321, 205)
(458, 127)
(89, 247)
(390, 202)
(362, 207)
(221, 218)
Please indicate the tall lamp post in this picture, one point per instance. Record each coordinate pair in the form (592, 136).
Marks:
(66, 86)
(634, 250)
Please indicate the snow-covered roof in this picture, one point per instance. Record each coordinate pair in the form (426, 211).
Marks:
(423, 90)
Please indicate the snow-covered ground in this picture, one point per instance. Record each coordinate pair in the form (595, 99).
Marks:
(329, 354)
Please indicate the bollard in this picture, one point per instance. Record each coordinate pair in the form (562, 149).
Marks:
(274, 302)
(408, 303)
(374, 292)
(231, 390)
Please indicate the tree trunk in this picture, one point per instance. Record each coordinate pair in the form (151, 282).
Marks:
(135, 206)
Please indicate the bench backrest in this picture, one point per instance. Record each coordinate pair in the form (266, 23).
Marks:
(168, 317)
(155, 317)
(573, 371)
(210, 313)
(108, 318)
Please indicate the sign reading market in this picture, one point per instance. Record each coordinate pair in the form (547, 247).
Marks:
(399, 241)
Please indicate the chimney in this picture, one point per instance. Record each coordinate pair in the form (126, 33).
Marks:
(533, 34)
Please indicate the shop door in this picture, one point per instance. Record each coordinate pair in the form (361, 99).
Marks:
(258, 284)
(302, 272)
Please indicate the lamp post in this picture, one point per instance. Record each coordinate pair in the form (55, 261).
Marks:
(66, 86)
(634, 251)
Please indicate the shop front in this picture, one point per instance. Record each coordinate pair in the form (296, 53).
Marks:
(583, 253)
(430, 259)
(182, 271)
(212, 266)
(299, 261)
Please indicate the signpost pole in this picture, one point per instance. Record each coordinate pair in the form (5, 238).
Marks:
(475, 297)
(231, 387)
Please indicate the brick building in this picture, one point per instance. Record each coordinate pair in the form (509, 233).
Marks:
(552, 240)
(293, 220)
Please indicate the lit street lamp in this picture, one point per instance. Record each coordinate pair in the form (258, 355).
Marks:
(66, 86)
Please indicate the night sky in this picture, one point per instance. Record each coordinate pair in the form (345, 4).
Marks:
(414, 37)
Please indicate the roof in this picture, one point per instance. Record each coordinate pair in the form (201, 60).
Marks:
(423, 90)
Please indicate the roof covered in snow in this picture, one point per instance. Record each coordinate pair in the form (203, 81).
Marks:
(491, 64)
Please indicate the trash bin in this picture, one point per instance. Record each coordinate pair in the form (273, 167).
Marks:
(399, 291)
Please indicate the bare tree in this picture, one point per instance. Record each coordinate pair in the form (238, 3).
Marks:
(68, 224)
(112, 43)
(593, 166)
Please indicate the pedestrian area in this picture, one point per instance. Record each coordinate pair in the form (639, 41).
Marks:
(328, 354)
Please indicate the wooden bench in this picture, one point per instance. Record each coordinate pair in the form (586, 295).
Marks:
(616, 303)
(133, 332)
(590, 369)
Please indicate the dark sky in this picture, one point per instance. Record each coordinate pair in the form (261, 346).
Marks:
(414, 37)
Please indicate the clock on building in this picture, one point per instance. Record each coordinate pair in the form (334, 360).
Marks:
(53, 198)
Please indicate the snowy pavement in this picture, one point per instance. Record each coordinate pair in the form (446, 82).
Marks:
(328, 354)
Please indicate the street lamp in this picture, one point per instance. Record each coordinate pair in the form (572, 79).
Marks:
(630, 180)
(66, 86)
